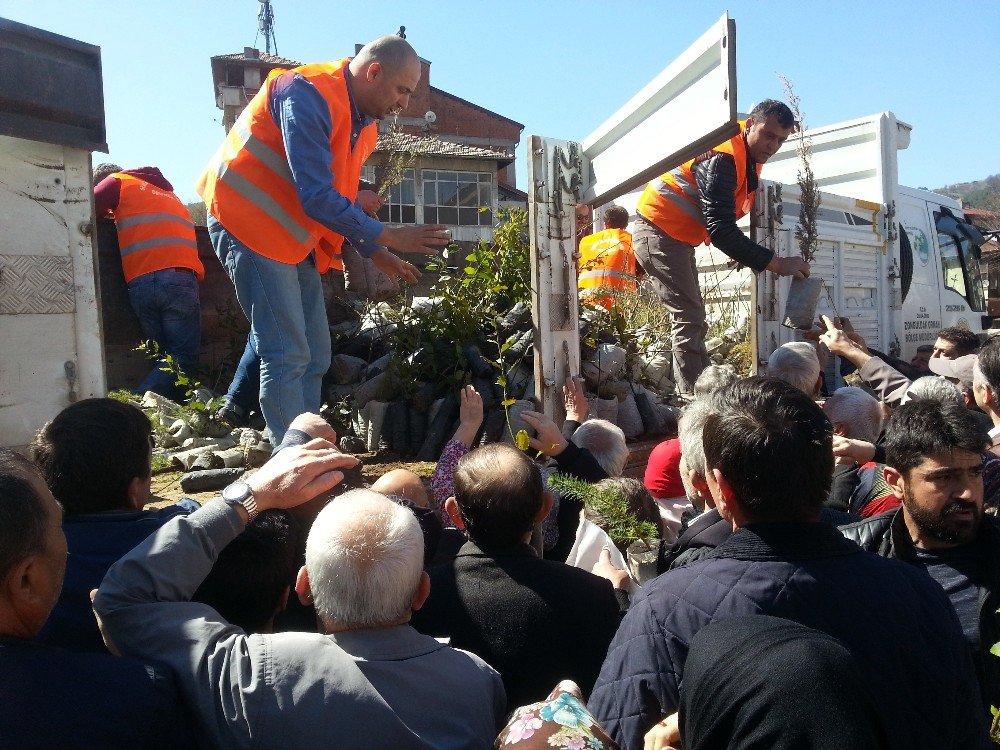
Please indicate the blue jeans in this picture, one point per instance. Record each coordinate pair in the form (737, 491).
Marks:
(244, 391)
(288, 327)
(169, 311)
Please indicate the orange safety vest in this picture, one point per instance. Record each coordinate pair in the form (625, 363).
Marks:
(607, 261)
(248, 186)
(671, 201)
(154, 229)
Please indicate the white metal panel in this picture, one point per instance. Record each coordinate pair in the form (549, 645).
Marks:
(50, 335)
(856, 159)
(687, 109)
(554, 179)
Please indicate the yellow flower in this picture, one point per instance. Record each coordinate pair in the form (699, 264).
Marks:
(522, 441)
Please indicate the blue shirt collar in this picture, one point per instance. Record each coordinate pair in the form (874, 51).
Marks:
(358, 119)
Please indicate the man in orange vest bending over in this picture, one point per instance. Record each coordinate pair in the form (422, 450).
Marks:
(607, 261)
(160, 261)
(699, 202)
(281, 197)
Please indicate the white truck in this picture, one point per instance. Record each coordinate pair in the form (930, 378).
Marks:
(901, 263)
(50, 327)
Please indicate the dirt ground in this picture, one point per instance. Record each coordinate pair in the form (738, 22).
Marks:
(167, 486)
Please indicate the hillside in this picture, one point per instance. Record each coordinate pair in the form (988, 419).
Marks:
(983, 194)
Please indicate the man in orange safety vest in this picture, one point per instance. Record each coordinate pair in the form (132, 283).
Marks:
(607, 261)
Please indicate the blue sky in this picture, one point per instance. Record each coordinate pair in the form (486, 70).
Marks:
(560, 67)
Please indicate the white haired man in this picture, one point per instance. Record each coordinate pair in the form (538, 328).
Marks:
(362, 681)
(855, 415)
(797, 364)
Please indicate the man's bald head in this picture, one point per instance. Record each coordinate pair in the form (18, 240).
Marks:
(403, 483)
(384, 74)
(392, 51)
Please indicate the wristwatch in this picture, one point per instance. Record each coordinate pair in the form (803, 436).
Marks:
(239, 493)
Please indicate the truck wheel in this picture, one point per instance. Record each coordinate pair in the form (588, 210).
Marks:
(905, 261)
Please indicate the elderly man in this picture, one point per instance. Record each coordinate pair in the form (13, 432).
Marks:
(50, 697)
(986, 387)
(769, 457)
(934, 464)
(281, 197)
(537, 621)
(362, 682)
(857, 416)
(797, 364)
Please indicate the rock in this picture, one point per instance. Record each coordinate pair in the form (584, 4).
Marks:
(437, 429)
(247, 436)
(377, 367)
(346, 369)
(515, 320)
(479, 366)
(398, 415)
(368, 424)
(657, 371)
(212, 479)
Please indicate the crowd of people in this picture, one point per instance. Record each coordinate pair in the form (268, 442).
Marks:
(484, 609)
(828, 563)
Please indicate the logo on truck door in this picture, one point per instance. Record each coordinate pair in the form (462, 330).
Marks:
(921, 246)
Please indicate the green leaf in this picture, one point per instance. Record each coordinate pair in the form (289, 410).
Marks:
(995, 649)
(470, 271)
(508, 402)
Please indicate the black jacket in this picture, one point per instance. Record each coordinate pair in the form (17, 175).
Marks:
(886, 535)
(535, 621)
(715, 174)
(894, 620)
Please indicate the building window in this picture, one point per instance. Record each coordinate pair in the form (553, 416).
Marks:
(400, 205)
(458, 198)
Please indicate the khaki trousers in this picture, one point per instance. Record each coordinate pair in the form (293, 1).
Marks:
(672, 270)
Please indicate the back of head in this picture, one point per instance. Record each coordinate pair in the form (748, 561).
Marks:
(253, 572)
(857, 410)
(690, 429)
(606, 443)
(91, 452)
(797, 364)
(919, 429)
(772, 108)
(616, 217)
(988, 364)
(23, 518)
(964, 340)
(713, 378)
(103, 170)
(404, 484)
(934, 388)
(743, 676)
(499, 494)
(364, 556)
(774, 446)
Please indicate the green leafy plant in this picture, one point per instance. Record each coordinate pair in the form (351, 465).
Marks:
(198, 412)
(610, 505)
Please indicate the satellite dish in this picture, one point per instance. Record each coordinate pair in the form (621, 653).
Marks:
(430, 117)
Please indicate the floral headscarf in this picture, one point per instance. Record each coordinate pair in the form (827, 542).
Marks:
(560, 722)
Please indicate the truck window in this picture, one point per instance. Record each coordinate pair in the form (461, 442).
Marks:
(959, 244)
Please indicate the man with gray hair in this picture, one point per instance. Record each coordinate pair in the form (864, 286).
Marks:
(797, 364)
(362, 681)
(856, 415)
(606, 443)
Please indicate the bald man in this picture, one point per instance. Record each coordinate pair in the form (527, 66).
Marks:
(282, 197)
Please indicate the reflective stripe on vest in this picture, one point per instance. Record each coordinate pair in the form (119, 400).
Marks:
(671, 201)
(248, 185)
(607, 262)
(154, 229)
